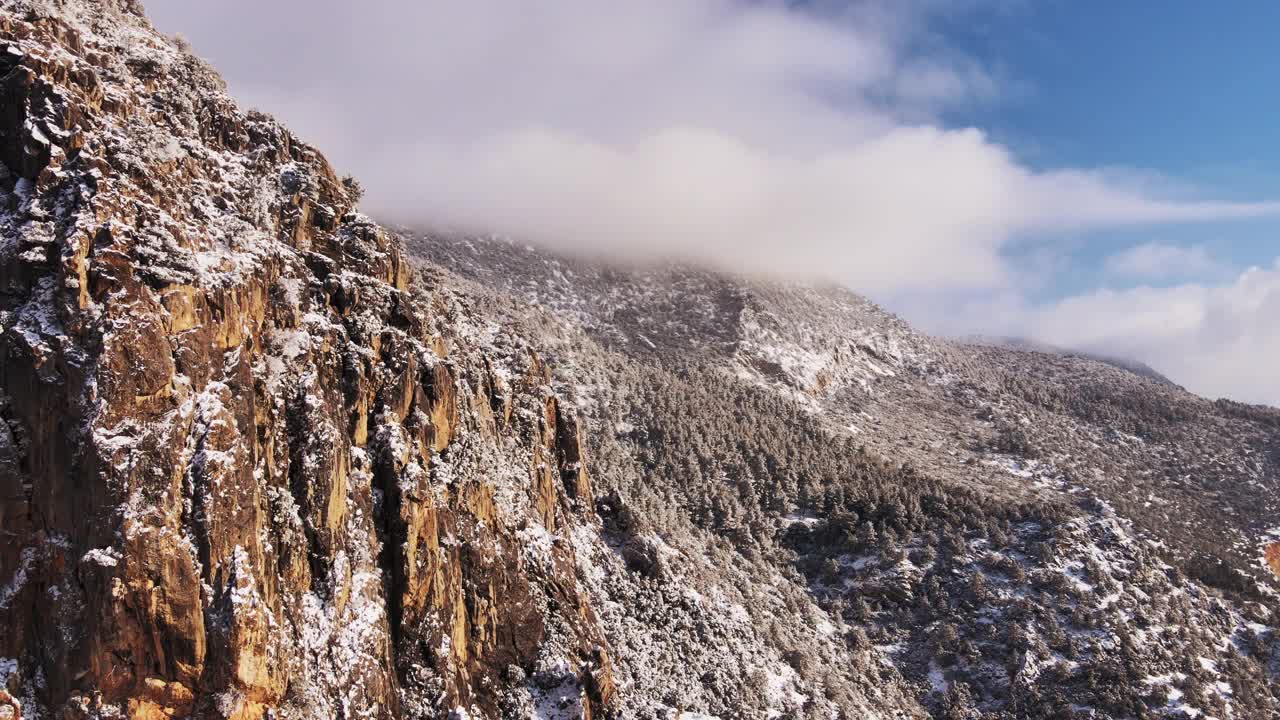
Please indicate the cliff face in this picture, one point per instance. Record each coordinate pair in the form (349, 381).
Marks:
(249, 460)
(1271, 555)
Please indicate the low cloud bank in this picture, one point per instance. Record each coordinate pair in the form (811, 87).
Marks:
(760, 136)
(1219, 340)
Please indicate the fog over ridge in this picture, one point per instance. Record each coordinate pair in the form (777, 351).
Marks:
(804, 139)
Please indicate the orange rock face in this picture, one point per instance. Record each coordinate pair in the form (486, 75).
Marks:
(240, 467)
(1272, 555)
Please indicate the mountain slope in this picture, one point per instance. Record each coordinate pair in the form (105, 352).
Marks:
(1024, 507)
(1139, 441)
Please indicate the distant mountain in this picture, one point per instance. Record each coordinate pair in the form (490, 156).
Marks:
(1138, 368)
(261, 457)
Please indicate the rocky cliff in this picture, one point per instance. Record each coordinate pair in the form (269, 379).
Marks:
(250, 460)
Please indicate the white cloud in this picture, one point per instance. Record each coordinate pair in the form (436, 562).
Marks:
(751, 134)
(1158, 261)
(1218, 340)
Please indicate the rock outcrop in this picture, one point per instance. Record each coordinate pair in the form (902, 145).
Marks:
(250, 465)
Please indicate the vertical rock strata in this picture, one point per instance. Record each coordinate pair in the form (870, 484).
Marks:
(249, 462)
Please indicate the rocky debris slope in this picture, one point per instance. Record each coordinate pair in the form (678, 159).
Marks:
(251, 464)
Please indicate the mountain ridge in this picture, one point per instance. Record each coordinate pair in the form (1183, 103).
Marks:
(1135, 366)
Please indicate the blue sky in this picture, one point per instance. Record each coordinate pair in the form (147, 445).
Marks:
(1182, 88)
(1096, 175)
(1177, 85)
